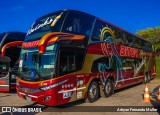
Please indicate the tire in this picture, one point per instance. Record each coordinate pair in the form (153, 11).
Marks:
(93, 92)
(145, 78)
(149, 77)
(108, 88)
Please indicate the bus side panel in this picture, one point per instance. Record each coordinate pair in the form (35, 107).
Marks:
(99, 50)
(67, 90)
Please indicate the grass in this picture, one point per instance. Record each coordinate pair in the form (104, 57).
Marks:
(158, 67)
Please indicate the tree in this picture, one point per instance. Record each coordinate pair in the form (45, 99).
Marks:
(152, 35)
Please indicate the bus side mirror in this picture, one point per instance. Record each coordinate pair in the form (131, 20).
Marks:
(10, 44)
(51, 38)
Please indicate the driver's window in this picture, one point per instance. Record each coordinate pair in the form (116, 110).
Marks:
(67, 62)
(70, 62)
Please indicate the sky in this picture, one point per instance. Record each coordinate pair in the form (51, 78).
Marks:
(131, 15)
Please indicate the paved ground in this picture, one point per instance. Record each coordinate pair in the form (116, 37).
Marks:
(131, 96)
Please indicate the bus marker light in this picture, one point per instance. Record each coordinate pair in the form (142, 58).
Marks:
(43, 84)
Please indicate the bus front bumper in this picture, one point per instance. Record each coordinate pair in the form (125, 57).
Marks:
(44, 98)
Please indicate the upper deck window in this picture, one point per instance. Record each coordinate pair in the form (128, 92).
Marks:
(97, 30)
(78, 23)
(74, 22)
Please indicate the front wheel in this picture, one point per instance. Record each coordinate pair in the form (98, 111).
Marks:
(93, 92)
(109, 88)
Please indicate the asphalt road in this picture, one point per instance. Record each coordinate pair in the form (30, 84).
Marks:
(128, 98)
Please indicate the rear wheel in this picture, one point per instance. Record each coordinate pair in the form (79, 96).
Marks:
(145, 78)
(93, 92)
(109, 88)
(149, 77)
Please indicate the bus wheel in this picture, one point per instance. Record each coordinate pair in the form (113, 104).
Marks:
(149, 77)
(93, 92)
(145, 78)
(108, 88)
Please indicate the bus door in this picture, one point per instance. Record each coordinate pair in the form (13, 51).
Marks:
(70, 62)
(4, 74)
(67, 69)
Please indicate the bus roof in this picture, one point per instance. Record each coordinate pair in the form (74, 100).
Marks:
(14, 34)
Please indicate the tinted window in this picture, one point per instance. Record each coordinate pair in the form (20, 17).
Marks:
(130, 40)
(120, 36)
(138, 64)
(97, 30)
(11, 37)
(46, 24)
(149, 46)
(137, 43)
(106, 63)
(78, 23)
(70, 62)
(128, 64)
(99, 25)
(13, 53)
(1, 36)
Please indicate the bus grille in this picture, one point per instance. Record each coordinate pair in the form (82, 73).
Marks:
(30, 90)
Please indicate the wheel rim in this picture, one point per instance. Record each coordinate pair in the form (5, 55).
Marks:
(145, 79)
(92, 91)
(149, 77)
(108, 87)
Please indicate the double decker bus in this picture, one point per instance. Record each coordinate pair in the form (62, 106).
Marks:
(70, 55)
(9, 62)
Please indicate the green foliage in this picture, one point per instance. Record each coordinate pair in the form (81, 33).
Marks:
(158, 67)
(152, 35)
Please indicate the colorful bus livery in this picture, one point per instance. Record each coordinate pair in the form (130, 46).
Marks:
(9, 62)
(70, 55)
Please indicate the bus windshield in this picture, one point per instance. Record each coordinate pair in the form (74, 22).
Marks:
(48, 23)
(1, 37)
(4, 66)
(34, 66)
(61, 21)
